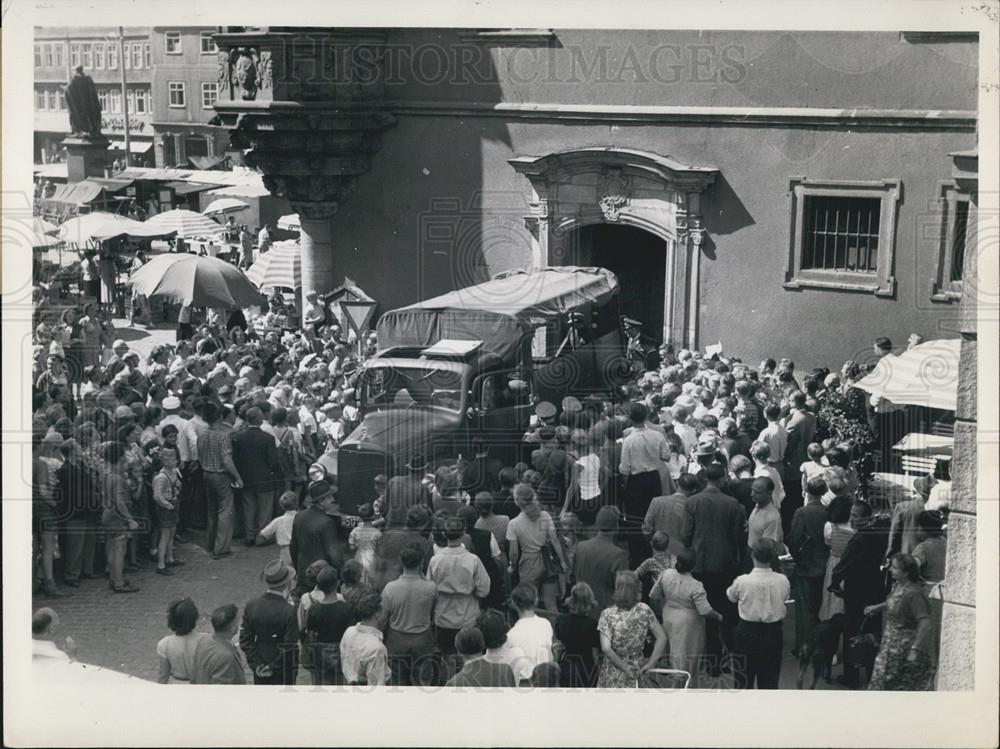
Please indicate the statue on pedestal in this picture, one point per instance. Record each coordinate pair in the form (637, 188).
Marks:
(84, 106)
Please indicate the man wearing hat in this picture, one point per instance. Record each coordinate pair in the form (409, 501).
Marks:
(316, 532)
(545, 414)
(269, 635)
(406, 491)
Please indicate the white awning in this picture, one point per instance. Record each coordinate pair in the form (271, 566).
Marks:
(135, 146)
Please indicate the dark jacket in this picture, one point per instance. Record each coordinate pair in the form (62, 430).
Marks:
(256, 457)
(481, 547)
(801, 428)
(315, 536)
(858, 573)
(402, 493)
(269, 636)
(391, 543)
(805, 540)
(78, 498)
(597, 561)
(717, 532)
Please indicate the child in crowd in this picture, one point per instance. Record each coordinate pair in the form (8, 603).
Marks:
(662, 560)
(363, 540)
(761, 455)
(312, 596)
(531, 633)
(812, 468)
(166, 499)
(280, 529)
(378, 506)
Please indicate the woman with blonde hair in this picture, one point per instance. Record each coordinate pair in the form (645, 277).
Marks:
(578, 641)
(624, 628)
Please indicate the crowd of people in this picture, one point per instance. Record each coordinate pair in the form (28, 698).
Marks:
(662, 525)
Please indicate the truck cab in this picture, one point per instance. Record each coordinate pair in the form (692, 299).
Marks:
(461, 368)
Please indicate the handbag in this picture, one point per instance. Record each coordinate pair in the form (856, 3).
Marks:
(553, 567)
(863, 647)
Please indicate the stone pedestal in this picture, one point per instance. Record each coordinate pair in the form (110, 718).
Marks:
(85, 157)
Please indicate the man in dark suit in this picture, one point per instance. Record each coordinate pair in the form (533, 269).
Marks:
(406, 491)
(801, 428)
(269, 635)
(717, 535)
(808, 547)
(256, 456)
(316, 531)
(858, 577)
(598, 560)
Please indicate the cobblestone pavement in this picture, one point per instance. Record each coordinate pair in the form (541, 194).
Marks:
(121, 631)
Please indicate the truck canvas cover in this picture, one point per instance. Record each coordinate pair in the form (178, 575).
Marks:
(498, 312)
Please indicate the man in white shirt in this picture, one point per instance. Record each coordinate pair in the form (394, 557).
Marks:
(687, 433)
(531, 633)
(761, 455)
(775, 436)
(760, 596)
(44, 624)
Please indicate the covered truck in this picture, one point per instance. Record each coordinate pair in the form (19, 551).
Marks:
(470, 366)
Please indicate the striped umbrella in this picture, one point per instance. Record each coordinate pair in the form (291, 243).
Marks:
(925, 375)
(280, 266)
(196, 280)
(225, 205)
(290, 222)
(184, 222)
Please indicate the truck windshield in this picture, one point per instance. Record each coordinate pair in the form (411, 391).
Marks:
(404, 387)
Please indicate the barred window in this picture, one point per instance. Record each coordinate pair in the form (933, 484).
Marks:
(841, 234)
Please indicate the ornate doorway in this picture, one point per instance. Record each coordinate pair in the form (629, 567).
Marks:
(638, 259)
(620, 187)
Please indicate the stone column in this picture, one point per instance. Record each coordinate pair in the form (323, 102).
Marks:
(316, 239)
(957, 667)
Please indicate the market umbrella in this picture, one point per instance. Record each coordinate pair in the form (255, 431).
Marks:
(41, 226)
(184, 222)
(196, 280)
(290, 222)
(128, 227)
(280, 266)
(81, 229)
(225, 205)
(925, 375)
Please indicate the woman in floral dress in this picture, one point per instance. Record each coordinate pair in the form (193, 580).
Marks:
(624, 628)
(904, 662)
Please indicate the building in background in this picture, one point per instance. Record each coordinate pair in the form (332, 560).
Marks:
(58, 51)
(185, 86)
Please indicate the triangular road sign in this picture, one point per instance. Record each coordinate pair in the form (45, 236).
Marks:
(358, 314)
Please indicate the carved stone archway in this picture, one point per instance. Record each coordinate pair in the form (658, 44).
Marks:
(580, 187)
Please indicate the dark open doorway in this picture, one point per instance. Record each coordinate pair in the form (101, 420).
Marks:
(638, 258)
